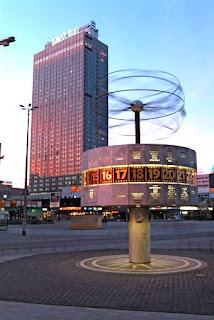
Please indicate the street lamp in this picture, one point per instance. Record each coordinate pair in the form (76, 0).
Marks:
(24, 222)
(6, 42)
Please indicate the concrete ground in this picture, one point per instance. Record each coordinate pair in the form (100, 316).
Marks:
(26, 311)
(40, 280)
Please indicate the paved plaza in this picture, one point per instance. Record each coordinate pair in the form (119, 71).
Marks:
(41, 277)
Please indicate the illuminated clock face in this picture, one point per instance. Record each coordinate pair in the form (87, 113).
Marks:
(139, 216)
(140, 174)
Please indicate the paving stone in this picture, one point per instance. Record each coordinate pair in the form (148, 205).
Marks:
(55, 279)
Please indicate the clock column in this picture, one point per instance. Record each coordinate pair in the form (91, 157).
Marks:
(139, 235)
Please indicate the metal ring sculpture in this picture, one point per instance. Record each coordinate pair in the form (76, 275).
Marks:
(159, 92)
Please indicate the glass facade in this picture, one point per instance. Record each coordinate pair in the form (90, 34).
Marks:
(66, 122)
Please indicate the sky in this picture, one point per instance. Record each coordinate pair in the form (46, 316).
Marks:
(175, 36)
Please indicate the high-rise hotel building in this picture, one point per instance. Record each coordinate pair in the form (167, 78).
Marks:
(68, 121)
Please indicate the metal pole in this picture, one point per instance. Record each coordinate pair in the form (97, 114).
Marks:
(137, 126)
(24, 223)
(137, 107)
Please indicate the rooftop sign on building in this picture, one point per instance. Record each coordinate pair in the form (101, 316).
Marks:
(65, 35)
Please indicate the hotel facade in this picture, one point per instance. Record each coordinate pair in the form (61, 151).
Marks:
(68, 120)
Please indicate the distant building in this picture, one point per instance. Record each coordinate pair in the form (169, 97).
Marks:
(205, 184)
(67, 122)
(7, 191)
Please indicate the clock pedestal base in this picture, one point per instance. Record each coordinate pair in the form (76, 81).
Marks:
(139, 235)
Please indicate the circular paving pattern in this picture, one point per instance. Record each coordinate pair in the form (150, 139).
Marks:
(160, 264)
(55, 279)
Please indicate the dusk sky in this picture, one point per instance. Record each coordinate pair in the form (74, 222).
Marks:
(175, 36)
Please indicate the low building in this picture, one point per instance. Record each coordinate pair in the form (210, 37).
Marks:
(205, 183)
(7, 191)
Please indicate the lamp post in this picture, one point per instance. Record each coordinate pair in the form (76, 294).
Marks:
(24, 222)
